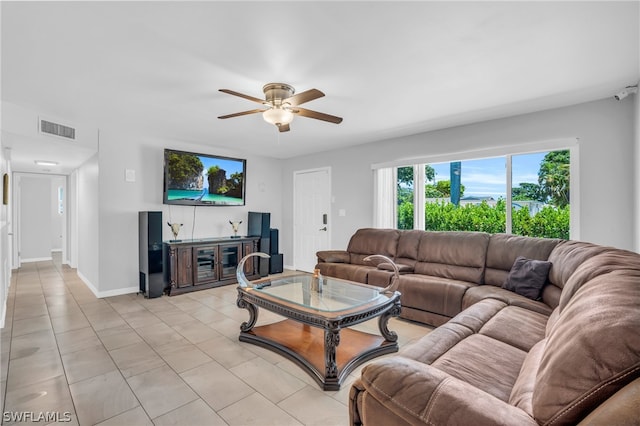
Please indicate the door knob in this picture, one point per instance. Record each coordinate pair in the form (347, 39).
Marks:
(323, 229)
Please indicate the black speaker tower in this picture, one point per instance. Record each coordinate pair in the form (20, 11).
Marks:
(150, 253)
(275, 262)
(273, 247)
(258, 226)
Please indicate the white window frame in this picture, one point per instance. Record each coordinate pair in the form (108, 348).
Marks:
(507, 152)
(418, 196)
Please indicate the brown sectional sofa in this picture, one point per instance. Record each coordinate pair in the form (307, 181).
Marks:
(441, 272)
(572, 357)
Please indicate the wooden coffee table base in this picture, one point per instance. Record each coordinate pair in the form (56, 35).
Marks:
(305, 345)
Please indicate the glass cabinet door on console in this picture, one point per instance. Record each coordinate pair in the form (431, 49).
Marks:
(206, 261)
(230, 255)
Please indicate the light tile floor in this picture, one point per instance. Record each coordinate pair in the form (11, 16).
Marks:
(127, 360)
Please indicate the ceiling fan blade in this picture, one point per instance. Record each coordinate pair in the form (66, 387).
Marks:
(238, 114)
(317, 115)
(283, 128)
(242, 95)
(303, 97)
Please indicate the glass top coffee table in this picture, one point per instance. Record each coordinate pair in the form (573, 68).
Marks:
(315, 333)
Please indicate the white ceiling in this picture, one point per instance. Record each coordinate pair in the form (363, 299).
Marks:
(389, 68)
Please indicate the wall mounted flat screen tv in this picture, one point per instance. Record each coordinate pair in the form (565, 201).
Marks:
(193, 179)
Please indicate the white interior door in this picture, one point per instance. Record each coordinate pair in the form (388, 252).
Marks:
(312, 221)
(35, 219)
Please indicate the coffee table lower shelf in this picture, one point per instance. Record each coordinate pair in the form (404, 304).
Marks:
(305, 345)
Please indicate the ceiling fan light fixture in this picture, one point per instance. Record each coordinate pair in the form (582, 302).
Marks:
(282, 104)
(278, 116)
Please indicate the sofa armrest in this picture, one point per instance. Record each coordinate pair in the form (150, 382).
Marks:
(420, 393)
(333, 256)
(402, 268)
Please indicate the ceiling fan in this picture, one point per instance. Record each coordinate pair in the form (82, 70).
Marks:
(282, 104)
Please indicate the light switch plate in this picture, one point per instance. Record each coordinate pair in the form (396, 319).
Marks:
(129, 175)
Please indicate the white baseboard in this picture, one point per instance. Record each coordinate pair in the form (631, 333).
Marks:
(108, 293)
(86, 281)
(118, 292)
(36, 259)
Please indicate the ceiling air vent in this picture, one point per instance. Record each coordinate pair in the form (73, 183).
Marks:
(57, 129)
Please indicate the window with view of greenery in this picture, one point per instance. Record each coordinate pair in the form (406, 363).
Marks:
(541, 209)
(404, 178)
(539, 197)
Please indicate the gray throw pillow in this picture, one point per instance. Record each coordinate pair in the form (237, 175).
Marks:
(527, 277)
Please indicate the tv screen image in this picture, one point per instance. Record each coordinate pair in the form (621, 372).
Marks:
(203, 180)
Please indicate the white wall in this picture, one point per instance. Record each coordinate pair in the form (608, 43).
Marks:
(5, 241)
(605, 130)
(5, 165)
(120, 202)
(57, 218)
(88, 226)
(72, 220)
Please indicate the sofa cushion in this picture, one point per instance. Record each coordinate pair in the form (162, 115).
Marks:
(408, 244)
(553, 318)
(476, 294)
(603, 263)
(333, 256)
(592, 350)
(379, 278)
(433, 293)
(522, 392)
(425, 317)
(567, 256)
(368, 241)
(397, 391)
(436, 343)
(475, 317)
(454, 255)
(377, 411)
(516, 326)
(484, 363)
(503, 249)
(347, 271)
(527, 277)
(551, 294)
(402, 269)
(458, 347)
